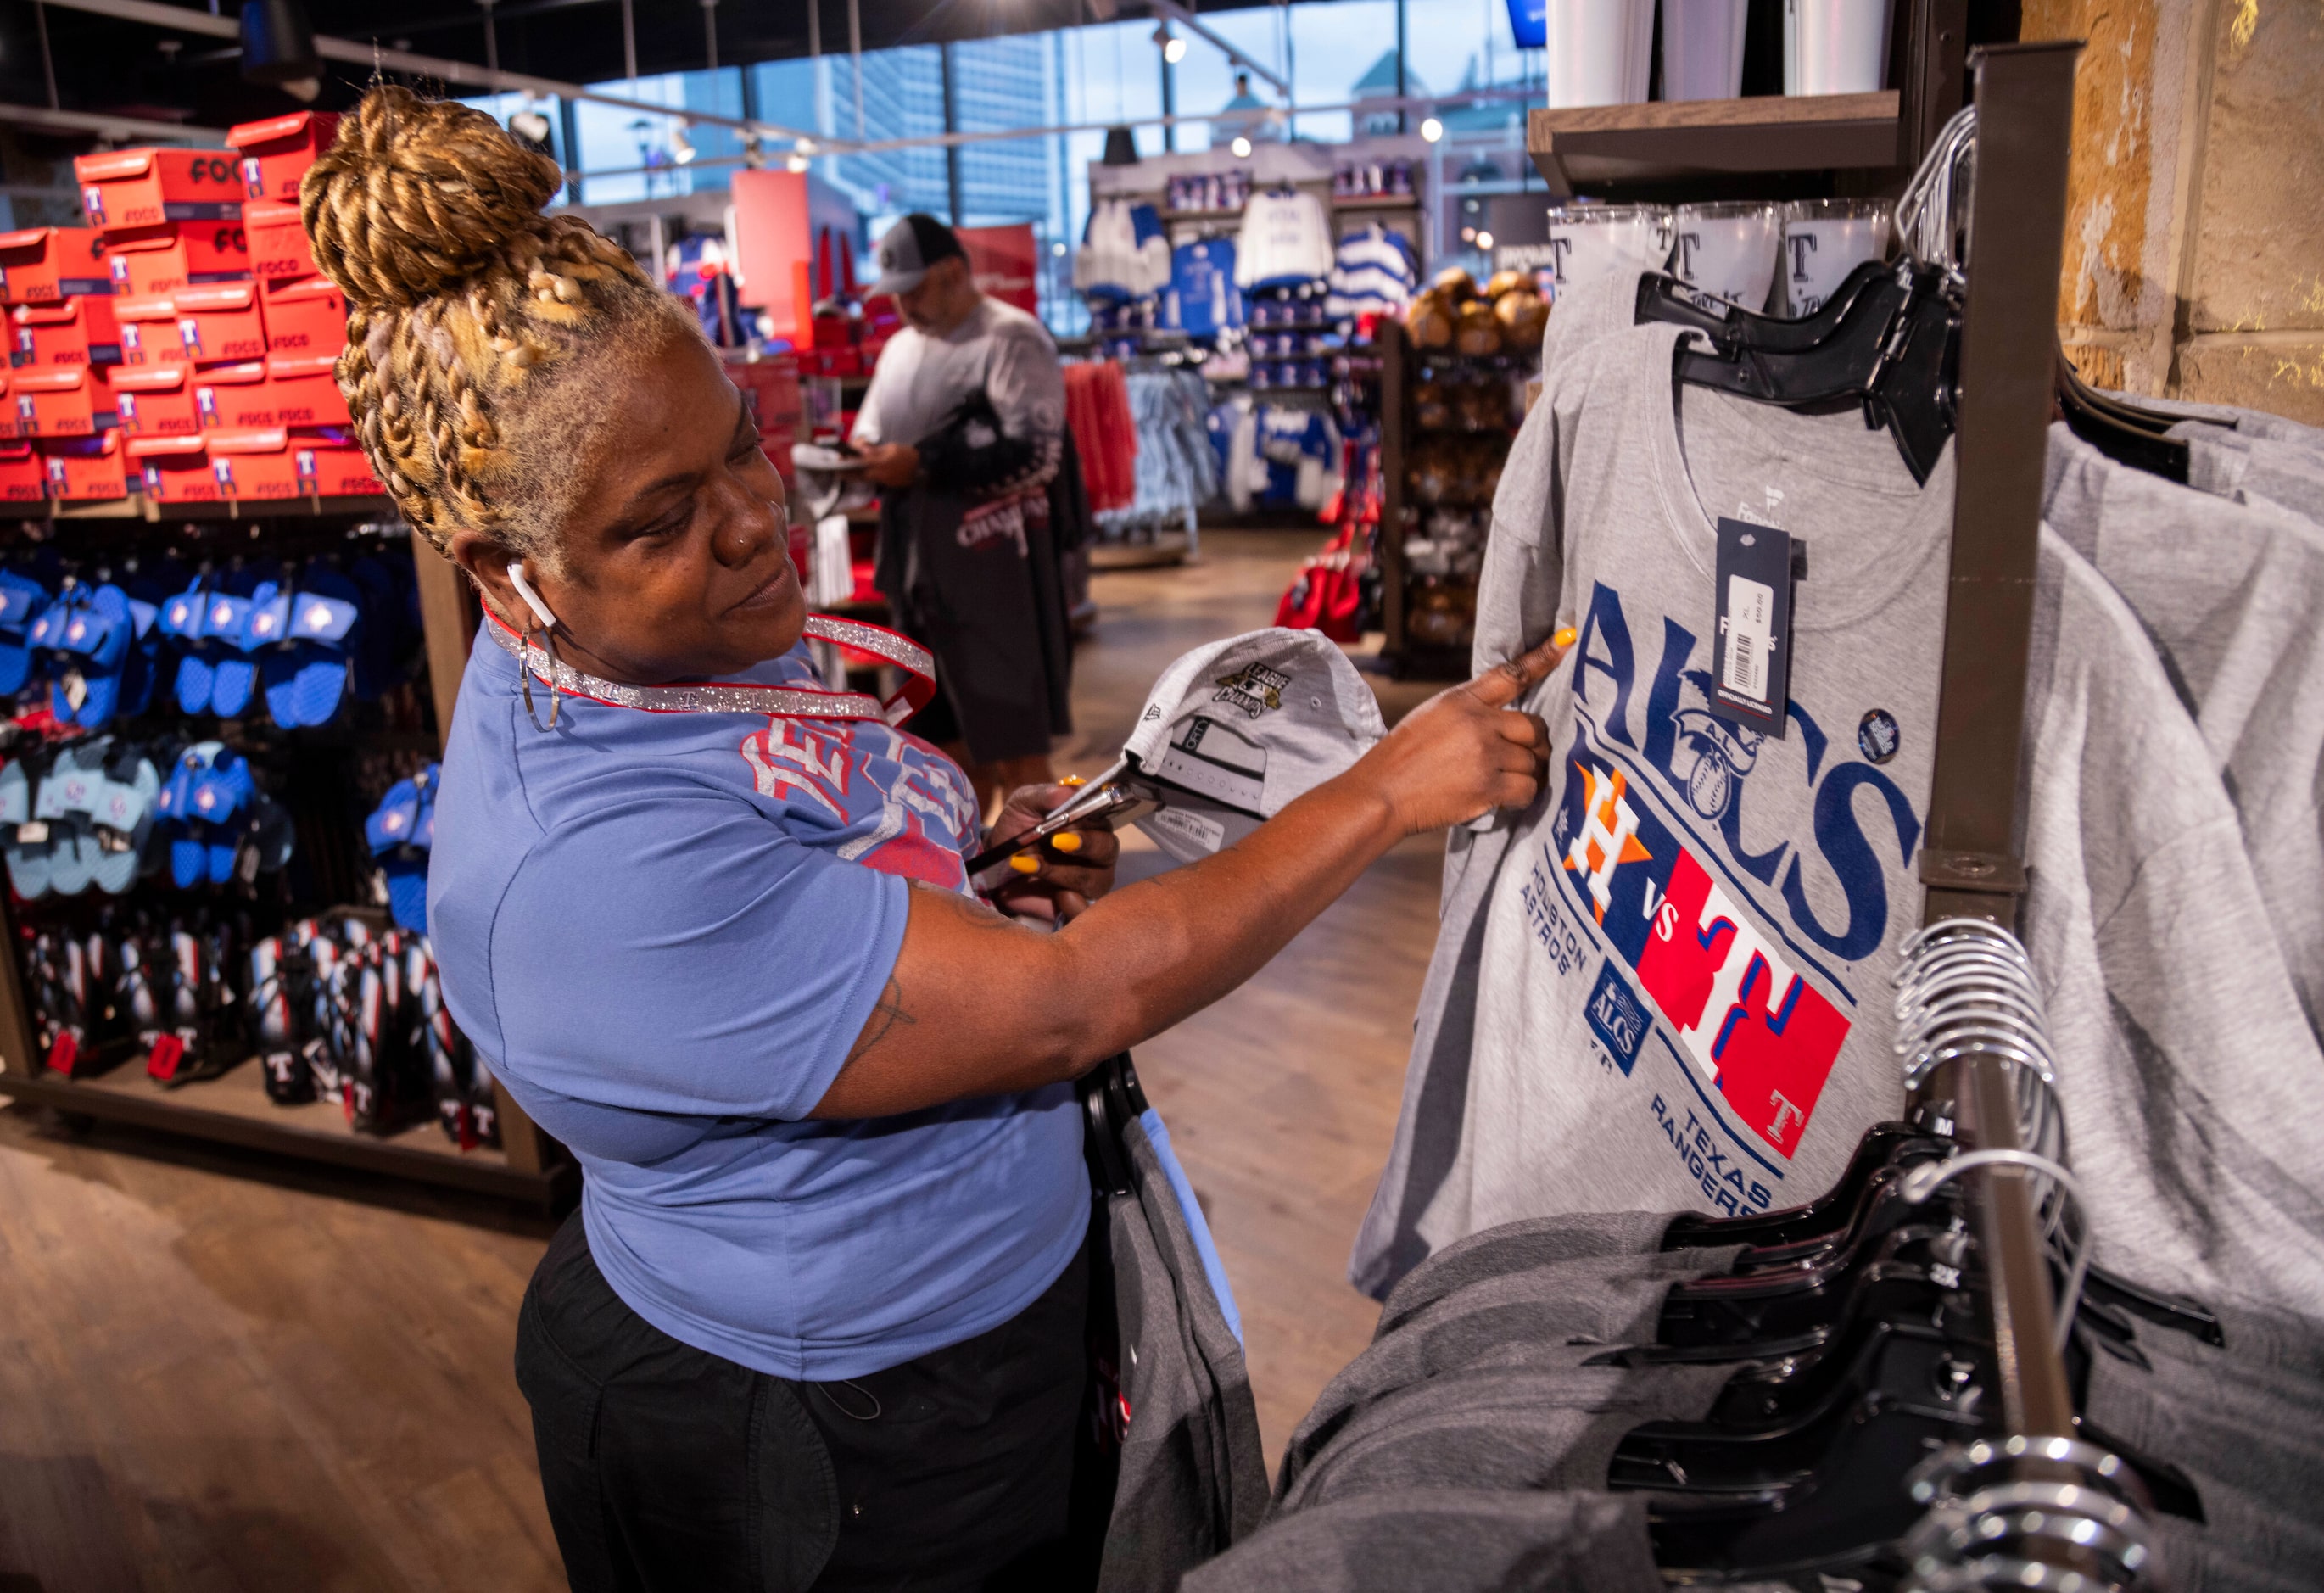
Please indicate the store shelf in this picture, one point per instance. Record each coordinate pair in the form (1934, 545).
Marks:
(1602, 145)
(1377, 202)
(140, 507)
(234, 1109)
(1169, 216)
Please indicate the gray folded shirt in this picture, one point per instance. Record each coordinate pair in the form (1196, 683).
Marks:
(1446, 1541)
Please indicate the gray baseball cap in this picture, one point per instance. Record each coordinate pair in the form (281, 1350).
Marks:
(906, 251)
(1248, 724)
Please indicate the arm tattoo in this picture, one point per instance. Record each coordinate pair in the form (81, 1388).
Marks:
(885, 1016)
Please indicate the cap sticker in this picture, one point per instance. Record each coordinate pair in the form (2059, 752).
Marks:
(1877, 736)
(1255, 688)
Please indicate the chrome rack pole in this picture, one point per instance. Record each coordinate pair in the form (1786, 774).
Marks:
(1972, 859)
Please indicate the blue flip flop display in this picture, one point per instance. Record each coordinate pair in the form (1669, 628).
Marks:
(401, 832)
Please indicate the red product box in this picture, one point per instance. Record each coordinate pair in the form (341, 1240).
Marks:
(79, 331)
(143, 188)
(20, 474)
(155, 401)
(279, 249)
(304, 390)
(306, 317)
(275, 154)
(84, 466)
(149, 330)
(232, 397)
(61, 400)
(328, 461)
(770, 386)
(164, 259)
(51, 262)
(275, 461)
(221, 321)
(173, 469)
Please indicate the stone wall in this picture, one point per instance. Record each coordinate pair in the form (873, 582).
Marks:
(2195, 223)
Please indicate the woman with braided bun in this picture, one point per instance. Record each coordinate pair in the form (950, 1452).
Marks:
(819, 1319)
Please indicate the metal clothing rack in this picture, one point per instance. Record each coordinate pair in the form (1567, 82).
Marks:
(1971, 860)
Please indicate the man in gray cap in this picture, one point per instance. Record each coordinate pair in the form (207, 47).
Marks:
(963, 430)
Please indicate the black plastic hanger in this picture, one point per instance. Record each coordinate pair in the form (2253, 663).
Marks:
(1831, 1212)
(1667, 300)
(2103, 424)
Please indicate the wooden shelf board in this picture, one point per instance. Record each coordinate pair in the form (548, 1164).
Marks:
(256, 509)
(1378, 202)
(1663, 139)
(235, 1110)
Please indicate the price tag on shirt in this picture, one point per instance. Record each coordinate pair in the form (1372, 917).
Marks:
(1755, 625)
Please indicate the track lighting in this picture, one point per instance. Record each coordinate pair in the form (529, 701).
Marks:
(1241, 147)
(681, 145)
(1431, 129)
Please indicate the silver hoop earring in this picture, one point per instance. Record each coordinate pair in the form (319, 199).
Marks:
(525, 681)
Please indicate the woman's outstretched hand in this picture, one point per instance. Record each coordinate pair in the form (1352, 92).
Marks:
(1064, 874)
(1464, 751)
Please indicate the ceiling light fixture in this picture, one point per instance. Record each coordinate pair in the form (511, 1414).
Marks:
(1173, 47)
(1241, 147)
(1484, 240)
(681, 145)
(1431, 129)
(529, 125)
(796, 162)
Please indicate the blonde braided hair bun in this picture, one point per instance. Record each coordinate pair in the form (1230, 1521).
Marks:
(471, 317)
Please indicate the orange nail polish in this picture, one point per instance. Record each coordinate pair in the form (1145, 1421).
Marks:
(1024, 864)
(1562, 637)
(1066, 841)
(1072, 779)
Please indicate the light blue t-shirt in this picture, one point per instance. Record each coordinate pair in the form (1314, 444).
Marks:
(665, 930)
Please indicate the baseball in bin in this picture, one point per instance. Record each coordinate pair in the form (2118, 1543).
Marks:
(77, 331)
(146, 187)
(148, 329)
(84, 467)
(176, 255)
(173, 469)
(306, 317)
(45, 263)
(276, 153)
(155, 401)
(221, 321)
(62, 401)
(230, 398)
(279, 249)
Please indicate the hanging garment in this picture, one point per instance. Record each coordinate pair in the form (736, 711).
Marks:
(1373, 269)
(1280, 456)
(2242, 469)
(1123, 255)
(1285, 241)
(1097, 407)
(2235, 629)
(1176, 471)
(1191, 1478)
(1671, 984)
(1202, 299)
(977, 580)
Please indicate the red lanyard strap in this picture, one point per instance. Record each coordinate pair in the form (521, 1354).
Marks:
(876, 642)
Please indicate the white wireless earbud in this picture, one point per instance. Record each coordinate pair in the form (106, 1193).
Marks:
(531, 598)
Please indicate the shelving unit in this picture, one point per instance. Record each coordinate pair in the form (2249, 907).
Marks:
(528, 1166)
(1600, 146)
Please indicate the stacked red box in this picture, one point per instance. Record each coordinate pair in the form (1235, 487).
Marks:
(176, 255)
(278, 462)
(153, 187)
(77, 331)
(155, 401)
(275, 154)
(304, 389)
(174, 469)
(20, 474)
(46, 263)
(82, 467)
(306, 317)
(279, 249)
(220, 321)
(149, 330)
(62, 401)
(232, 397)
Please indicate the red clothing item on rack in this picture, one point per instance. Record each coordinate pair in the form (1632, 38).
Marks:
(1097, 408)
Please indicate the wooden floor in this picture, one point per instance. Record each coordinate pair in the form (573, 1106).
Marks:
(221, 1372)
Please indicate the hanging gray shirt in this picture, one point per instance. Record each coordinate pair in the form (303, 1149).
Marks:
(1572, 1036)
(2231, 596)
(2244, 469)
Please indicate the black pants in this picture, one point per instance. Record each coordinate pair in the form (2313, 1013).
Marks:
(668, 1467)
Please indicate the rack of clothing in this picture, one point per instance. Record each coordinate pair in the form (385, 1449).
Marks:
(1853, 1124)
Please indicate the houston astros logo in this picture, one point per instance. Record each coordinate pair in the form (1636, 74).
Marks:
(1607, 838)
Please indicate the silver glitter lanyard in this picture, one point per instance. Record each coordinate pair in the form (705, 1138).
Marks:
(791, 702)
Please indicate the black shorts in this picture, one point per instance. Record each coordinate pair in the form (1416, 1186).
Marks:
(668, 1467)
